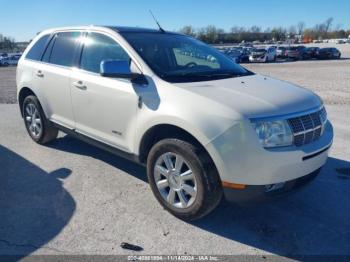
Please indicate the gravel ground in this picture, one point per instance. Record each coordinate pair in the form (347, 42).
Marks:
(8, 85)
(330, 79)
(71, 198)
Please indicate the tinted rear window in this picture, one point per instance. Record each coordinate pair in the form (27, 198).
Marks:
(37, 49)
(47, 53)
(64, 48)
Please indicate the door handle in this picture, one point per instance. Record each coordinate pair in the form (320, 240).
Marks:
(80, 85)
(39, 73)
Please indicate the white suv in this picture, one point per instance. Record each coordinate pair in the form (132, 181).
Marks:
(203, 125)
(264, 55)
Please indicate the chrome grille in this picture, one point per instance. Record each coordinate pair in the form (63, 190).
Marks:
(308, 128)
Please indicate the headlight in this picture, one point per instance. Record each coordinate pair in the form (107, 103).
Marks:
(273, 133)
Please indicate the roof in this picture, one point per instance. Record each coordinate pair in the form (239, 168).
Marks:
(118, 29)
(126, 29)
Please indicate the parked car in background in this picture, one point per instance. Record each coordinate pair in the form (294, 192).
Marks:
(329, 53)
(4, 61)
(245, 53)
(18, 56)
(340, 41)
(312, 52)
(281, 52)
(296, 53)
(238, 54)
(264, 55)
(234, 55)
(198, 126)
(9, 61)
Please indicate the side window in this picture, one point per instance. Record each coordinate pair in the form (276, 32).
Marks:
(37, 49)
(47, 54)
(64, 48)
(99, 47)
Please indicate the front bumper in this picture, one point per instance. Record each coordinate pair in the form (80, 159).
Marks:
(257, 59)
(266, 192)
(240, 158)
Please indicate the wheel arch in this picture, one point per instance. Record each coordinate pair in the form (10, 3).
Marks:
(162, 131)
(22, 94)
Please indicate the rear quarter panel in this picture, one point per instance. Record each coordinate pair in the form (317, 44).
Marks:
(25, 79)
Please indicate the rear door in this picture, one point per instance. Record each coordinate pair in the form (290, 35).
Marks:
(52, 76)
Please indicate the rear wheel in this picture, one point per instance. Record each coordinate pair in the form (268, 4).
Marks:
(183, 179)
(38, 127)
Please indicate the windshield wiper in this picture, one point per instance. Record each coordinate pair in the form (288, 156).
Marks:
(200, 74)
(219, 74)
(192, 76)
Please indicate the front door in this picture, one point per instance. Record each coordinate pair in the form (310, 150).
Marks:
(104, 108)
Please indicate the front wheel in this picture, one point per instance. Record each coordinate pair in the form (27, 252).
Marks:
(183, 179)
(38, 127)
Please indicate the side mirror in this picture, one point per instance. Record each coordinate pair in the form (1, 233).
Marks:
(121, 69)
(116, 68)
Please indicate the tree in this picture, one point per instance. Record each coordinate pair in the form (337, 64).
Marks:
(301, 27)
(188, 30)
(237, 29)
(292, 30)
(209, 34)
(278, 33)
(7, 42)
(255, 29)
(328, 24)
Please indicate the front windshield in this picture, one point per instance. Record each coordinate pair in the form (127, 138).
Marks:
(178, 58)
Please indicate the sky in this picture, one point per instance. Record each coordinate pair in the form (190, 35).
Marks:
(22, 19)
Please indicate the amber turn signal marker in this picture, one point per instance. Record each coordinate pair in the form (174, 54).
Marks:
(233, 185)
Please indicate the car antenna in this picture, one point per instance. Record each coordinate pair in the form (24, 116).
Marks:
(160, 28)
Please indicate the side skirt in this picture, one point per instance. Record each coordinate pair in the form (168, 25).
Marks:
(98, 144)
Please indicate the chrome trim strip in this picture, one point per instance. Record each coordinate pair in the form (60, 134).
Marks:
(304, 133)
(307, 131)
(287, 116)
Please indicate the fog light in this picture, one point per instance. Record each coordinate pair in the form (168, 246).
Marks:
(274, 187)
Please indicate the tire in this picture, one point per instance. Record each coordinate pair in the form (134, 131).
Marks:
(206, 181)
(33, 113)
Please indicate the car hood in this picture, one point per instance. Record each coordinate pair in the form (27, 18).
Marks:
(255, 96)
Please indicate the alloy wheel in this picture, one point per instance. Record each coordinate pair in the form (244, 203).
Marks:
(33, 120)
(175, 180)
